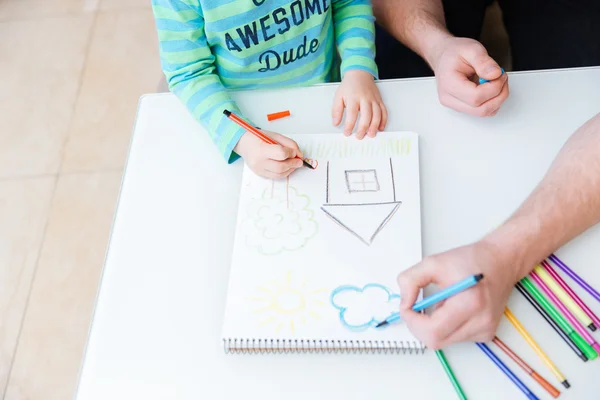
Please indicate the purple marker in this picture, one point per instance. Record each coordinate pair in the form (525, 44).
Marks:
(575, 277)
(571, 293)
(576, 324)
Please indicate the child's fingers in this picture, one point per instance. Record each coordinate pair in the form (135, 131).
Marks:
(337, 110)
(375, 120)
(277, 152)
(384, 116)
(282, 168)
(287, 142)
(366, 113)
(351, 115)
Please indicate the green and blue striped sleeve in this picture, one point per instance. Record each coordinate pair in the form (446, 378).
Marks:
(189, 66)
(355, 35)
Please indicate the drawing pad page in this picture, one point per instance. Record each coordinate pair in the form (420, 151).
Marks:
(316, 255)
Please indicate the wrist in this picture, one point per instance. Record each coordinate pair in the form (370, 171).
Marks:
(433, 46)
(357, 74)
(241, 148)
(517, 243)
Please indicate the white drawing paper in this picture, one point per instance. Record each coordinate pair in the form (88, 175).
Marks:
(316, 255)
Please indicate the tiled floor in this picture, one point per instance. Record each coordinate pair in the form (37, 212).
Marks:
(72, 72)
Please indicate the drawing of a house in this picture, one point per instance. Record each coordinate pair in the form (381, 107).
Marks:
(361, 198)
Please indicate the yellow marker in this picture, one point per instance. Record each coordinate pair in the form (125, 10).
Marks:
(563, 296)
(513, 320)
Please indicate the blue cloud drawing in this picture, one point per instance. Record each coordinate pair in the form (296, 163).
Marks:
(362, 308)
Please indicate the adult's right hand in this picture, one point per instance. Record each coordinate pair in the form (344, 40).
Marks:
(457, 62)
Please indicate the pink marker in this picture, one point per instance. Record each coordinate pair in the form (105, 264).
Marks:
(571, 293)
(576, 324)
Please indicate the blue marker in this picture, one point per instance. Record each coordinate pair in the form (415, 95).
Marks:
(482, 81)
(436, 298)
(507, 371)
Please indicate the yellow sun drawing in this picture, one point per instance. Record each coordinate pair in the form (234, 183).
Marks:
(287, 304)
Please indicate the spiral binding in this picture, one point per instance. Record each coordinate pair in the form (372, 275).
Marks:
(283, 346)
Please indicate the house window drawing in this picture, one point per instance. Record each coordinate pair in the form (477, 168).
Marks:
(362, 180)
(362, 199)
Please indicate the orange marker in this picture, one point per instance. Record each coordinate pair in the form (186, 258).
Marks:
(544, 383)
(257, 133)
(278, 115)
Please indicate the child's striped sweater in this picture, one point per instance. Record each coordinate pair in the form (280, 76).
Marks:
(209, 45)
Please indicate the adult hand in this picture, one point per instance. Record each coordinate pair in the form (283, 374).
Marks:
(457, 62)
(272, 161)
(472, 315)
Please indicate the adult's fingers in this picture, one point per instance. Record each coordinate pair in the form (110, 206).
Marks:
(287, 142)
(375, 120)
(477, 57)
(412, 280)
(351, 115)
(474, 330)
(384, 116)
(366, 113)
(472, 94)
(337, 110)
(485, 109)
(437, 327)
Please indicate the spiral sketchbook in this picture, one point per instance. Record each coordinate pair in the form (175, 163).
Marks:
(316, 255)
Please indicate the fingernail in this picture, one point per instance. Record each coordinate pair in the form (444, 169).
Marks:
(491, 68)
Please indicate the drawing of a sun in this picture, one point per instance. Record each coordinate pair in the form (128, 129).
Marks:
(287, 304)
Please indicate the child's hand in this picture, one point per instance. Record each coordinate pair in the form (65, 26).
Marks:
(358, 92)
(271, 161)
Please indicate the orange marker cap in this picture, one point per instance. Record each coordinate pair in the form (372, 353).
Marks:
(278, 115)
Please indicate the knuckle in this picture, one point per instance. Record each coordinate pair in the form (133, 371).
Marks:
(490, 324)
(486, 336)
(481, 112)
(444, 100)
(476, 99)
(433, 343)
(488, 110)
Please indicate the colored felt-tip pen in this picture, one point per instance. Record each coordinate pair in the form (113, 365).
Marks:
(437, 297)
(253, 130)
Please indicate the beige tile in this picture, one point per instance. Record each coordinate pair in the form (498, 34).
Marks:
(11, 10)
(120, 4)
(122, 64)
(24, 206)
(55, 327)
(40, 67)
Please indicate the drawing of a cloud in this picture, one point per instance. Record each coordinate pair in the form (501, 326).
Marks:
(280, 220)
(361, 308)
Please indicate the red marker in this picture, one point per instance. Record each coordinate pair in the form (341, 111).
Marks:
(257, 133)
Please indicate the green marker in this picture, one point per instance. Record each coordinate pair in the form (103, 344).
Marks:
(587, 350)
(453, 380)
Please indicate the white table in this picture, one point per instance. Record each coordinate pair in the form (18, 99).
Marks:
(156, 329)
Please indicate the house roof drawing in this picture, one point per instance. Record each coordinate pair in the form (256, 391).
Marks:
(361, 200)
